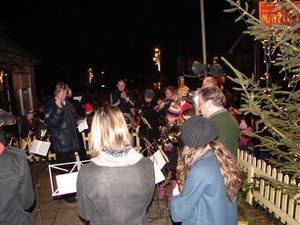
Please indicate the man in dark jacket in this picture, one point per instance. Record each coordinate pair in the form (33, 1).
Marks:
(61, 120)
(120, 98)
(16, 191)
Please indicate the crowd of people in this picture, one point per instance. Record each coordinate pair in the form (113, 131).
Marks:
(200, 140)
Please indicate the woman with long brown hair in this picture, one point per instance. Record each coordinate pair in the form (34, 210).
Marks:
(208, 178)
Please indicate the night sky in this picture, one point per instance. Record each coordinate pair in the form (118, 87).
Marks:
(117, 37)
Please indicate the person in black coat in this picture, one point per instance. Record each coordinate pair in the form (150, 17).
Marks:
(121, 98)
(30, 127)
(61, 119)
(149, 125)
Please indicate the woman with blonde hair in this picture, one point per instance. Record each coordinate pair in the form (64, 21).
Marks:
(208, 178)
(117, 186)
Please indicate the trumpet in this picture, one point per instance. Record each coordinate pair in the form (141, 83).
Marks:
(161, 104)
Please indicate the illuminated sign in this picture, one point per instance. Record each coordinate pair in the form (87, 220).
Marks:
(272, 14)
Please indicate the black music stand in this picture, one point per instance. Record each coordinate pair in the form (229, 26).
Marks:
(38, 148)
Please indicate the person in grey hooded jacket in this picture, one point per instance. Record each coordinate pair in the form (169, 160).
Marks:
(118, 185)
(16, 190)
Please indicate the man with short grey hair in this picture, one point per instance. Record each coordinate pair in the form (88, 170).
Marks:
(211, 105)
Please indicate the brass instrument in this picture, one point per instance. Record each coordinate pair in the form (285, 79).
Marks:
(173, 135)
(160, 105)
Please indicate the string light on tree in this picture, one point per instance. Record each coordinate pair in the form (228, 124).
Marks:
(276, 106)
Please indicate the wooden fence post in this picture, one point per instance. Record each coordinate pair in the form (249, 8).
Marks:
(250, 175)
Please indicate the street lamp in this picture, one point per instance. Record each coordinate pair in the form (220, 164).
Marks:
(156, 58)
(90, 74)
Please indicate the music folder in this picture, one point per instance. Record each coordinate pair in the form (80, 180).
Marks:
(39, 147)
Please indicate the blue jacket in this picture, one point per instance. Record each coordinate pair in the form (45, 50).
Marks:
(203, 200)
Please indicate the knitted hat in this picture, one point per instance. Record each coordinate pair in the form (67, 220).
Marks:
(198, 131)
(149, 93)
(173, 110)
(88, 108)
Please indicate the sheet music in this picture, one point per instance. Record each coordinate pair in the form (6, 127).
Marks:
(176, 190)
(66, 183)
(159, 176)
(39, 147)
(159, 158)
(78, 98)
(83, 126)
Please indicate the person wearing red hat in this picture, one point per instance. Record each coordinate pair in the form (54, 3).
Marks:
(88, 108)
(89, 113)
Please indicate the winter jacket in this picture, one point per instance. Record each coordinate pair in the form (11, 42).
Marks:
(151, 116)
(121, 103)
(116, 189)
(62, 125)
(229, 130)
(16, 191)
(203, 200)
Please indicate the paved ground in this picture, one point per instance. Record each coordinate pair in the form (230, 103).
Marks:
(51, 211)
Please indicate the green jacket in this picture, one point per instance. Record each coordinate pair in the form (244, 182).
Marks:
(229, 130)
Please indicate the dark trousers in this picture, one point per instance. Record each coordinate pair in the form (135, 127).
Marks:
(65, 157)
(81, 151)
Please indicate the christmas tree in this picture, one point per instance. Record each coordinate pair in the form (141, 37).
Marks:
(274, 103)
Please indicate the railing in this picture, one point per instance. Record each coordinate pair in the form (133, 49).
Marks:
(284, 206)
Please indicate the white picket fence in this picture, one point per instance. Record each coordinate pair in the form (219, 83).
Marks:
(284, 207)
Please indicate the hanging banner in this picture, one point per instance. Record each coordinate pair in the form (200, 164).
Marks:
(270, 13)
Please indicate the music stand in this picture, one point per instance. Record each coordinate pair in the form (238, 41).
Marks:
(150, 147)
(145, 121)
(159, 159)
(39, 148)
(65, 183)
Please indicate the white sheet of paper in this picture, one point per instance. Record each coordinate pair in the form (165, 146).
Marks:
(159, 158)
(159, 176)
(176, 190)
(78, 98)
(66, 183)
(39, 147)
(83, 126)
(43, 132)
